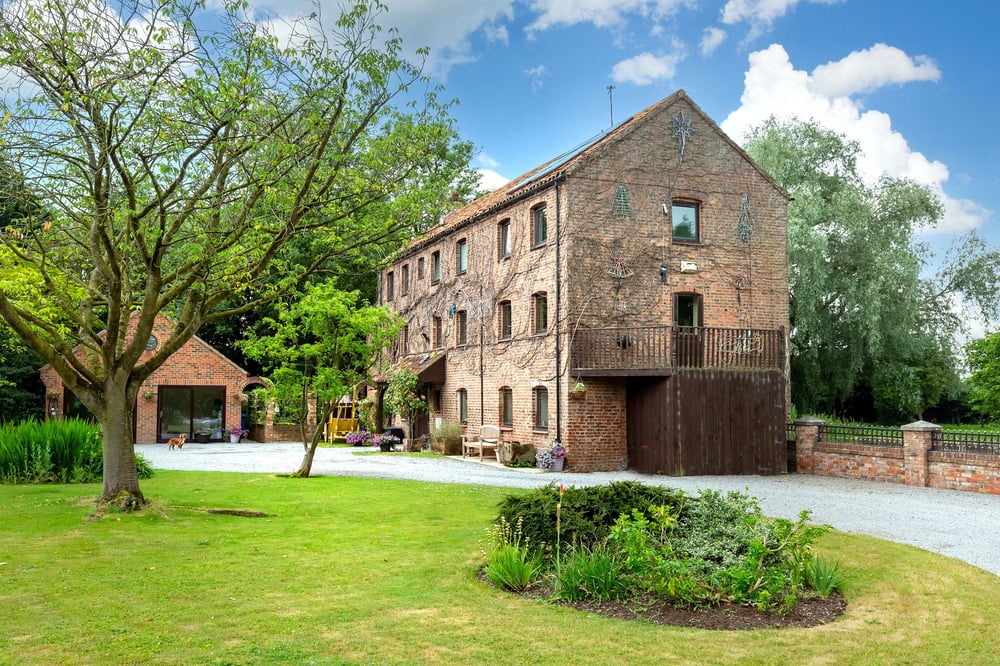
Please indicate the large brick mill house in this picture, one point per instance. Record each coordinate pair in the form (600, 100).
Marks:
(628, 298)
(196, 390)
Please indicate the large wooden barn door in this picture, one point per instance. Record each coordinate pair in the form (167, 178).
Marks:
(708, 422)
(650, 425)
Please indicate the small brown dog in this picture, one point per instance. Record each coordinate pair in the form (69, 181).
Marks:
(176, 441)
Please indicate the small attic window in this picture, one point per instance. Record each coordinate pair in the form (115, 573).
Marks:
(622, 208)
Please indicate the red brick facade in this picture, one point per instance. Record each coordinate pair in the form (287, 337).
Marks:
(915, 463)
(606, 258)
(196, 364)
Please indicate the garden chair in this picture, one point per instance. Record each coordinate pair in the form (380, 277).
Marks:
(489, 438)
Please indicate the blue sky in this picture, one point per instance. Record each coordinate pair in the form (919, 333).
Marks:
(914, 82)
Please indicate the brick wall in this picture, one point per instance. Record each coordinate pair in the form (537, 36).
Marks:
(913, 464)
(742, 284)
(195, 364)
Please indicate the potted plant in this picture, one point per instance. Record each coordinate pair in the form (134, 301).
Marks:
(579, 391)
(552, 458)
(558, 452)
(417, 444)
(358, 438)
(202, 435)
(446, 438)
(235, 433)
(385, 441)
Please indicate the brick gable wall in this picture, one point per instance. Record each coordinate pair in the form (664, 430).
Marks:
(645, 160)
(195, 364)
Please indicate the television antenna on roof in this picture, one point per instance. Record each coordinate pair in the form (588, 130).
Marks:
(611, 102)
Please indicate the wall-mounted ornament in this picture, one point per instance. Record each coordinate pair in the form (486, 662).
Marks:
(680, 129)
(622, 207)
(744, 228)
(619, 271)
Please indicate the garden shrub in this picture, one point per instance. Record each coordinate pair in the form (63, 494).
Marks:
(592, 573)
(63, 451)
(587, 513)
(626, 540)
(510, 564)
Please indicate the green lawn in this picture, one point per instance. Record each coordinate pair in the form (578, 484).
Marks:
(354, 571)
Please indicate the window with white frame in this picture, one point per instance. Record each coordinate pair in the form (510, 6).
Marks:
(684, 221)
(462, 256)
(461, 327)
(539, 226)
(539, 313)
(507, 407)
(541, 407)
(503, 239)
(463, 405)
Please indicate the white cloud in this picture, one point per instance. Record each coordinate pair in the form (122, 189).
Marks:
(773, 87)
(711, 39)
(497, 33)
(486, 160)
(537, 76)
(600, 13)
(490, 180)
(444, 26)
(646, 68)
(761, 14)
(871, 69)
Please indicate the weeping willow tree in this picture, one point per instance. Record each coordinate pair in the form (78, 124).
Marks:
(869, 324)
(174, 153)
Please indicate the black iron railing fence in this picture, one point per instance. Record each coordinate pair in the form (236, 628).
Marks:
(967, 442)
(957, 441)
(648, 347)
(866, 435)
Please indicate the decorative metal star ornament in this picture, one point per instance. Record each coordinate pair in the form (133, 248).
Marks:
(680, 129)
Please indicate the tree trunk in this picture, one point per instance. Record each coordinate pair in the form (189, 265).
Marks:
(310, 448)
(307, 461)
(121, 480)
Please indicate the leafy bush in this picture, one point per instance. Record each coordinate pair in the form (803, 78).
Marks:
(63, 451)
(592, 573)
(587, 513)
(824, 576)
(509, 563)
(629, 540)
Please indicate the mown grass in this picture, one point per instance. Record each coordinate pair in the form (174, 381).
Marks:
(356, 571)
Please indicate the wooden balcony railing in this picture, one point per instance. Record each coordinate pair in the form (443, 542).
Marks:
(662, 347)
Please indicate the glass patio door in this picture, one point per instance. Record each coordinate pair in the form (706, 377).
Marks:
(198, 411)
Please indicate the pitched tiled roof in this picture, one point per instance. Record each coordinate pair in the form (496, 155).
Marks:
(555, 169)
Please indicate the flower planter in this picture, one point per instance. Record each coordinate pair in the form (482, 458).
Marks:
(202, 438)
(385, 446)
(234, 439)
(557, 464)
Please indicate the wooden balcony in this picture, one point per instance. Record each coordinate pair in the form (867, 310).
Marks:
(659, 350)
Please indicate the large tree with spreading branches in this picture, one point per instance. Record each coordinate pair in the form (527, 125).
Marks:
(870, 324)
(197, 161)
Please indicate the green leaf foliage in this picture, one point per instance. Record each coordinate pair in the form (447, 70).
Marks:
(983, 358)
(182, 158)
(867, 327)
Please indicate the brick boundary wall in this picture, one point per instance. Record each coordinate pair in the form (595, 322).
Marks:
(914, 464)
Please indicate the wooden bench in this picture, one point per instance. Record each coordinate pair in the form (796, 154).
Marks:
(489, 438)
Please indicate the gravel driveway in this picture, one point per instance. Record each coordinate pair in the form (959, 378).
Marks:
(963, 525)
